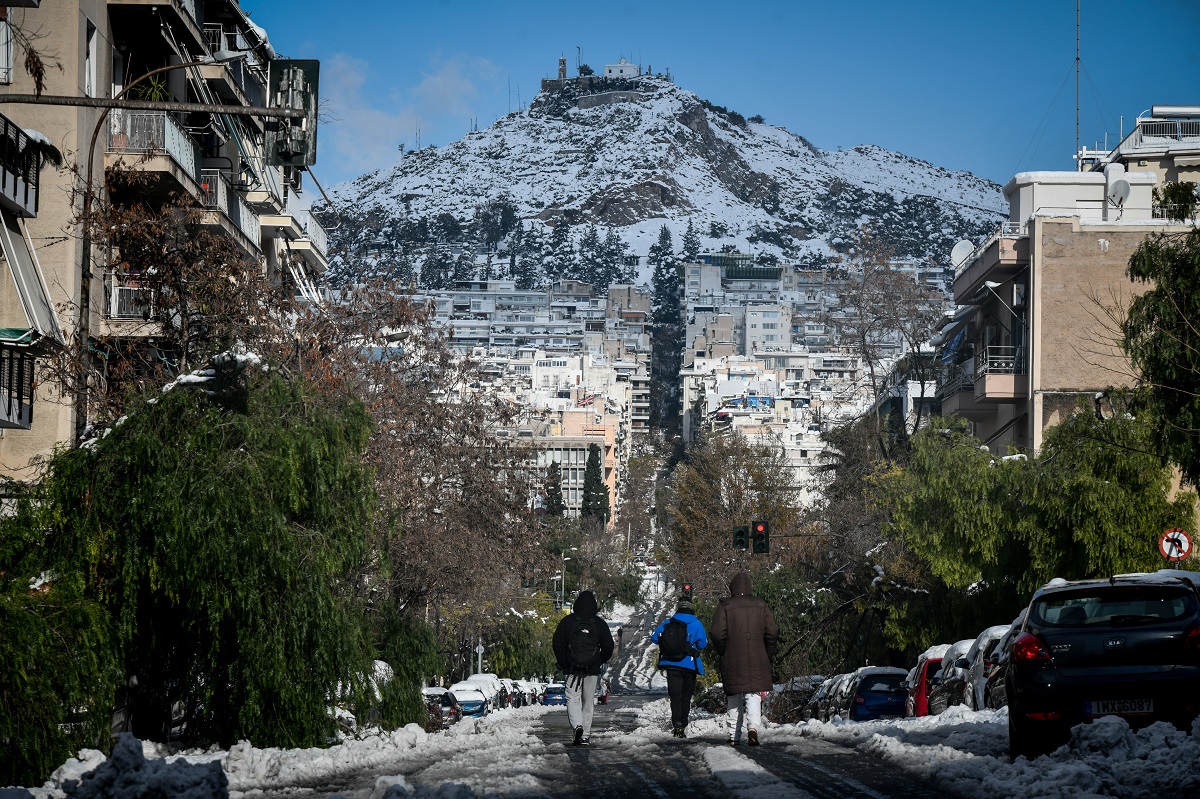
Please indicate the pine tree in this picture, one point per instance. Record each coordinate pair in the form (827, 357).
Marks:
(560, 260)
(553, 489)
(591, 267)
(616, 255)
(691, 245)
(437, 271)
(665, 278)
(595, 492)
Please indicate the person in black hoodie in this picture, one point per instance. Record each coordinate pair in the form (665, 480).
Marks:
(582, 645)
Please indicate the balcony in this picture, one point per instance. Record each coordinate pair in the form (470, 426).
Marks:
(1001, 256)
(126, 299)
(159, 143)
(19, 170)
(1001, 375)
(956, 393)
(180, 14)
(228, 211)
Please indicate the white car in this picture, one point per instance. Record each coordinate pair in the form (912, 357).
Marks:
(470, 699)
(977, 672)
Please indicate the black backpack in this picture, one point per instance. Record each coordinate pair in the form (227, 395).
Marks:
(583, 644)
(673, 644)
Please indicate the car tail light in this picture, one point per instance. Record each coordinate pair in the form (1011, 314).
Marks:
(1052, 715)
(858, 700)
(1191, 641)
(1028, 647)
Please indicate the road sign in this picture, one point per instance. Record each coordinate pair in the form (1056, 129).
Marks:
(479, 649)
(1175, 544)
(293, 84)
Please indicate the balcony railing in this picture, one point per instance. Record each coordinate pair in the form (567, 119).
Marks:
(1000, 360)
(150, 132)
(19, 167)
(126, 298)
(316, 233)
(1005, 230)
(216, 193)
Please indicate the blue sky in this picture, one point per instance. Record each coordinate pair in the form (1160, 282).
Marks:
(987, 87)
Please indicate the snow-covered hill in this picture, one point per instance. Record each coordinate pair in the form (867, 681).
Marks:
(637, 154)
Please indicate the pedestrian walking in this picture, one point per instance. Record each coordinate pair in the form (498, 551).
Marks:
(745, 635)
(582, 645)
(680, 637)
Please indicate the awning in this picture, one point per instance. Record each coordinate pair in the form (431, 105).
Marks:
(955, 324)
(27, 276)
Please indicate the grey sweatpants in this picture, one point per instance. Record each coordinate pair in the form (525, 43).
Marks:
(581, 700)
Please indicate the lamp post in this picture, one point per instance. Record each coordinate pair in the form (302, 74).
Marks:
(562, 596)
(82, 331)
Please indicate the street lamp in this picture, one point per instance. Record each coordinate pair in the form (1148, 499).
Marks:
(85, 294)
(563, 594)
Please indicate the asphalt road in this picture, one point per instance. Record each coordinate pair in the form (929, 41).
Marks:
(678, 768)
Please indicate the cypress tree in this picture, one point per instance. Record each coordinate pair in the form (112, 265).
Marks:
(595, 492)
(553, 488)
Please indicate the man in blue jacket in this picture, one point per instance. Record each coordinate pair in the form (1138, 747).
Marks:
(682, 666)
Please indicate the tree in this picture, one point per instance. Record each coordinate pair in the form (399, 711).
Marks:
(555, 507)
(585, 70)
(559, 260)
(590, 263)
(616, 260)
(1161, 338)
(437, 270)
(667, 334)
(691, 245)
(725, 480)
(595, 491)
(221, 530)
(987, 532)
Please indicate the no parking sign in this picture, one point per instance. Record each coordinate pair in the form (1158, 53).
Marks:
(1175, 544)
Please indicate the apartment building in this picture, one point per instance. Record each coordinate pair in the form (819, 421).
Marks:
(29, 327)
(1036, 340)
(200, 52)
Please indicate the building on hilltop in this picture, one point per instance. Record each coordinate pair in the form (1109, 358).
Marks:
(1033, 342)
(622, 69)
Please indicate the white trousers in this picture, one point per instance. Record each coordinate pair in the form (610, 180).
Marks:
(743, 707)
(581, 701)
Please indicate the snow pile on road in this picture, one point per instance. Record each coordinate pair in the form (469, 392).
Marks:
(451, 755)
(967, 751)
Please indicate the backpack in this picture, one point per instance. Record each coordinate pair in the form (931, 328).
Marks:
(583, 643)
(673, 644)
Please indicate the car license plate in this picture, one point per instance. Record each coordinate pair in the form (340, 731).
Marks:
(1119, 707)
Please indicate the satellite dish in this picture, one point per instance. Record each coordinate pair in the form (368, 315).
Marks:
(1118, 193)
(961, 252)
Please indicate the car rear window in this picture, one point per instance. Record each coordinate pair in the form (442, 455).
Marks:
(887, 683)
(556, 690)
(1114, 606)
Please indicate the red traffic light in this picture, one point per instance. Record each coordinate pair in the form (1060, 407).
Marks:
(759, 527)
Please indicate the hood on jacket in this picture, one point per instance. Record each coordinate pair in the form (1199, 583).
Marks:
(740, 584)
(585, 604)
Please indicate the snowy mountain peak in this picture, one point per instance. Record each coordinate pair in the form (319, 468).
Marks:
(636, 153)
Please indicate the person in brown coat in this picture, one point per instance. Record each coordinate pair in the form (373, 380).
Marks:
(745, 635)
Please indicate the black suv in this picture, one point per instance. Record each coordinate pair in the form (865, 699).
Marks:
(1127, 646)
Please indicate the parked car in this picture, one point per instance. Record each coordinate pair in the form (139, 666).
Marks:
(833, 699)
(555, 694)
(1127, 646)
(994, 692)
(977, 659)
(470, 699)
(946, 687)
(814, 706)
(919, 683)
(873, 692)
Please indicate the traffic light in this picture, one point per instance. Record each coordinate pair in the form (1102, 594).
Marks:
(760, 532)
(685, 592)
(741, 537)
